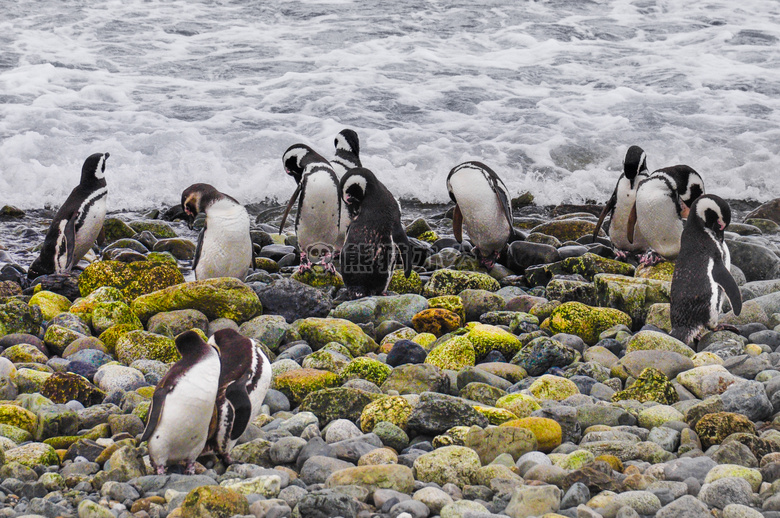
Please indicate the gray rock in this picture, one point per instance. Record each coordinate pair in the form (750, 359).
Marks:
(317, 469)
(686, 467)
(724, 491)
(577, 494)
(414, 509)
(351, 450)
(756, 261)
(286, 450)
(684, 507)
(327, 503)
(437, 413)
(292, 299)
(341, 429)
(478, 302)
(748, 398)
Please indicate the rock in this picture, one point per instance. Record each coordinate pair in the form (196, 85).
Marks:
(19, 417)
(749, 399)
(110, 378)
(455, 353)
(714, 428)
(669, 363)
(434, 498)
(393, 409)
(223, 297)
(143, 345)
(486, 338)
(325, 504)
(753, 476)
(90, 509)
(297, 384)
(436, 321)
(631, 295)
(213, 502)
(32, 455)
(707, 380)
(133, 279)
(686, 506)
(24, 353)
(58, 338)
(547, 432)
(521, 405)
(406, 352)
(567, 229)
(584, 321)
(553, 387)
(365, 368)
(587, 265)
(452, 282)
(416, 379)
(62, 387)
(533, 501)
(756, 261)
(293, 300)
(655, 341)
(650, 385)
(451, 464)
(478, 302)
(387, 476)
(657, 415)
(464, 509)
(18, 317)
(542, 354)
(726, 491)
(437, 413)
(320, 331)
(173, 323)
(337, 403)
(522, 254)
(51, 304)
(769, 210)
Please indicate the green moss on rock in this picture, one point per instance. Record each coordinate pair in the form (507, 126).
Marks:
(651, 385)
(655, 341)
(393, 409)
(133, 279)
(401, 285)
(584, 321)
(111, 336)
(32, 455)
(107, 314)
(297, 384)
(51, 304)
(567, 229)
(553, 387)
(486, 338)
(143, 345)
(662, 271)
(548, 432)
(452, 282)
(455, 354)
(62, 387)
(19, 417)
(214, 502)
(159, 229)
(714, 428)
(319, 331)
(18, 317)
(437, 321)
(633, 296)
(449, 302)
(24, 353)
(318, 277)
(366, 368)
(338, 403)
(116, 229)
(521, 405)
(495, 416)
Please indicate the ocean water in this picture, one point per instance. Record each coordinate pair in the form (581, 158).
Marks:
(548, 93)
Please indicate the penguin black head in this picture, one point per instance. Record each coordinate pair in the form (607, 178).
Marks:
(713, 212)
(355, 186)
(294, 160)
(347, 140)
(635, 162)
(196, 198)
(94, 168)
(190, 343)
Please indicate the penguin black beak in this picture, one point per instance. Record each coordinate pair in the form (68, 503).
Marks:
(190, 219)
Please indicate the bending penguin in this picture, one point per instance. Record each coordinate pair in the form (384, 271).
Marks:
(244, 380)
(78, 222)
(662, 201)
(224, 245)
(369, 254)
(481, 203)
(183, 405)
(319, 209)
(701, 273)
(622, 201)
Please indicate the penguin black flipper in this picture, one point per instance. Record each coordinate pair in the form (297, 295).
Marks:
(66, 244)
(290, 204)
(631, 224)
(158, 402)
(609, 208)
(457, 224)
(198, 248)
(724, 278)
(503, 199)
(242, 406)
(402, 241)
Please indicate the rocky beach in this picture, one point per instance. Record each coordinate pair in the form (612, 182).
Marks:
(548, 386)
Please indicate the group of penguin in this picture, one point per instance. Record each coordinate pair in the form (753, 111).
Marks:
(207, 399)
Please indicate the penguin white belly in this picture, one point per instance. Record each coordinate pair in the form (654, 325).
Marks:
(318, 217)
(257, 396)
(91, 225)
(659, 223)
(483, 215)
(183, 426)
(227, 247)
(618, 227)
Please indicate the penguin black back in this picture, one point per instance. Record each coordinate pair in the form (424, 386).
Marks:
(347, 146)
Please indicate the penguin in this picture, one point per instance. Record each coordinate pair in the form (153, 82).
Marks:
(622, 201)
(663, 200)
(244, 380)
(481, 202)
(347, 146)
(369, 254)
(78, 222)
(701, 272)
(183, 405)
(319, 210)
(224, 245)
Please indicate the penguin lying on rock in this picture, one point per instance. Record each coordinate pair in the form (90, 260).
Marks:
(78, 222)
(482, 203)
(701, 272)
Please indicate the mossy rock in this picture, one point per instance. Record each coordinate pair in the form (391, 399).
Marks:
(714, 428)
(101, 431)
(365, 368)
(326, 360)
(449, 302)
(18, 317)
(437, 321)
(655, 341)
(161, 257)
(338, 403)
(429, 237)
(401, 285)
(108, 314)
(521, 405)
(143, 345)
(452, 282)
(320, 331)
(62, 387)
(455, 354)
(393, 409)
(51, 304)
(588, 265)
(553, 387)
(133, 279)
(267, 264)
(29, 381)
(116, 229)
(455, 436)
(159, 229)
(58, 338)
(486, 338)
(495, 416)
(658, 415)
(318, 277)
(651, 385)
(659, 315)
(19, 417)
(663, 271)
(389, 475)
(634, 296)
(425, 340)
(584, 321)
(548, 432)
(297, 384)
(15, 433)
(451, 464)
(111, 336)
(24, 353)
(543, 353)
(83, 306)
(222, 297)
(213, 502)
(32, 455)
(567, 229)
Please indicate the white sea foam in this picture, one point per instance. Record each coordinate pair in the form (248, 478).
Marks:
(548, 93)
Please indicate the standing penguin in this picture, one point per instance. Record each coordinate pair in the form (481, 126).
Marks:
(224, 245)
(183, 404)
(622, 201)
(319, 210)
(369, 254)
(662, 201)
(78, 222)
(244, 380)
(347, 152)
(482, 203)
(701, 272)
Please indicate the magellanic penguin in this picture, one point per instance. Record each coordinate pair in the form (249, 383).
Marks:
(663, 200)
(183, 405)
(369, 254)
(319, 209)
(622, 201)
(224, 245)
(701, 272)
(347, 157)
(78, 222)
(482, 203)
(244, 380)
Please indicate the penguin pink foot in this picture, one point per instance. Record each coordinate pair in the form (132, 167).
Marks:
(621, 255)
(190, 469)
(305, 263)
(650, 258)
